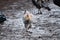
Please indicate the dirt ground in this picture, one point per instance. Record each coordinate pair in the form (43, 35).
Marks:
(45, 26)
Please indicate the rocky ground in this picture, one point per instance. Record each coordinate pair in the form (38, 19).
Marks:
(45, 26)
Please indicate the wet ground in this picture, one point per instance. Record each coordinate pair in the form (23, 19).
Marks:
(45, 26)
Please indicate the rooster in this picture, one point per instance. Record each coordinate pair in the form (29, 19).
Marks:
(27, 19)
(40, 4)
